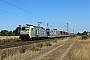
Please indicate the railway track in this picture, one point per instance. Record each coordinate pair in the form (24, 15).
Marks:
(54, 52)
(21, 43)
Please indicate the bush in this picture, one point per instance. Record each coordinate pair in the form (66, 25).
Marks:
(40, 45)
(23, 49)
(35, 48)
(48, 44)
(3, 56)
(55, 41)
(84, 37)
(62, 38)
(0, 47)
(5, 40)
(72, 36)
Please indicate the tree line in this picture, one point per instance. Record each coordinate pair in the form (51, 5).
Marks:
(84, 33)
(15, 32)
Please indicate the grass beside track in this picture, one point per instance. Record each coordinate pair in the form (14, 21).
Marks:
(8, 37)
(4, 39)
(29, 55)
(80, 50)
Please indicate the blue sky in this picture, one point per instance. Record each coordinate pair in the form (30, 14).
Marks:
(75, 12)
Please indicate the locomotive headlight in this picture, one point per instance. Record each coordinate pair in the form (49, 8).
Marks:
(24, 32)
(21, 32)
(27, 31)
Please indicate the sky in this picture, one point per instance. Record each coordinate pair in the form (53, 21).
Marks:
(55, 12)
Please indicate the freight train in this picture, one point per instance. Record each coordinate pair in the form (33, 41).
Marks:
(30, 32)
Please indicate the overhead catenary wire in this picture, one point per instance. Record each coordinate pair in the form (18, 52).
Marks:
(26, 5)
(36, 11)
(15, 14)
(31, 9)
(25, 10)
(21, 9)
(6, 6)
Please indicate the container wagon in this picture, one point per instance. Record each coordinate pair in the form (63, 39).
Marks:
(51, 33)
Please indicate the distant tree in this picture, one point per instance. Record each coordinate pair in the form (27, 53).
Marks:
(78, 33)
(0, 33)
(4, 32)
(84, 33)
(16, 32)
(10, 33)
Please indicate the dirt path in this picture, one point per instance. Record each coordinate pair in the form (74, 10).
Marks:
(41, 56)
(57, 53)
(64, 54)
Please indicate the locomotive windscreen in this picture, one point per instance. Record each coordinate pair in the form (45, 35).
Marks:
(25, 28)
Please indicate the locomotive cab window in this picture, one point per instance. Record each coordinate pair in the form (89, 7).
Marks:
(23, 28)
(27, 29)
